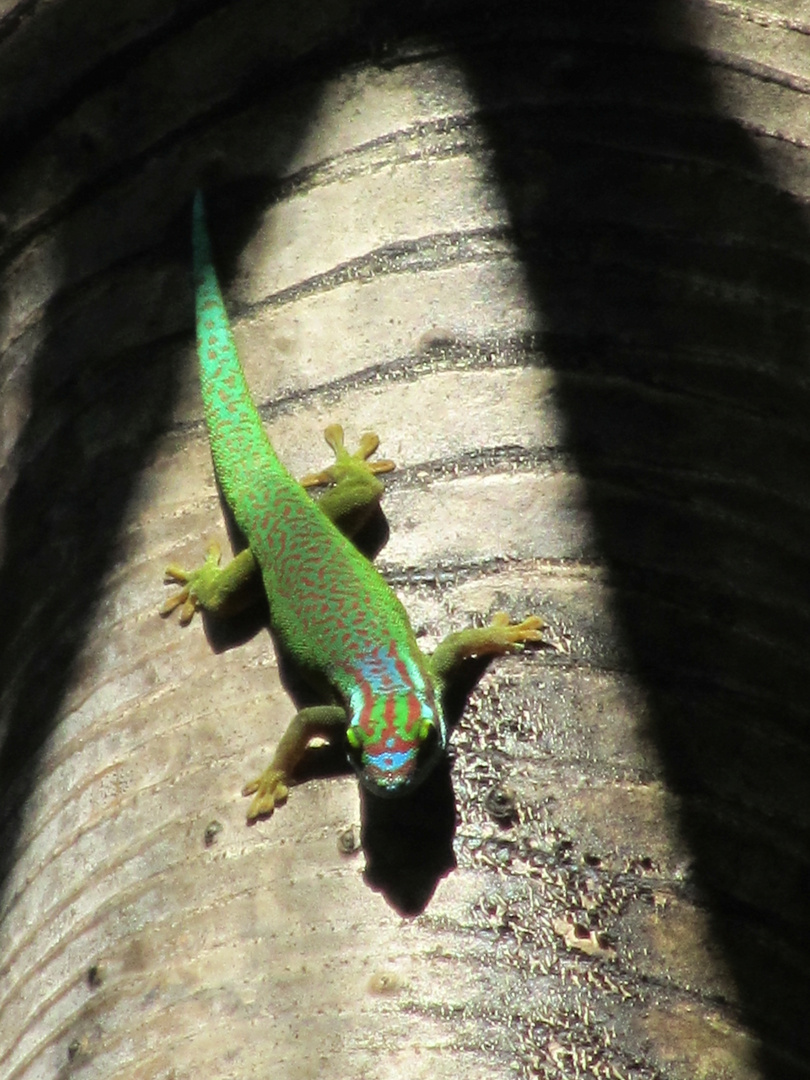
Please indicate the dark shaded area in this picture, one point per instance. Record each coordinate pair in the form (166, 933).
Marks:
(673, 280)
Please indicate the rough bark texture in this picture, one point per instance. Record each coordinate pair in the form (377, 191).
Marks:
(558, 256)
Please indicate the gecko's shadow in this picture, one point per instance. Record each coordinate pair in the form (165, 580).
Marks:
(408, 841)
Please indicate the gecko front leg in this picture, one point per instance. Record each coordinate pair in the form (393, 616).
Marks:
(353, 490)
(272, 787)
(500, 637)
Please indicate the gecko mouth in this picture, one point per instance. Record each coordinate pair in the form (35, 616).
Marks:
(390, 775)
(385, 777)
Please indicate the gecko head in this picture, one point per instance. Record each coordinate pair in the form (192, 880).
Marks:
(394, 744)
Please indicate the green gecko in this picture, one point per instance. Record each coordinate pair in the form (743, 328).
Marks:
(330, 608)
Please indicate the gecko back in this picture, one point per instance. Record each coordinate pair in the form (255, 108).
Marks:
(329, 605)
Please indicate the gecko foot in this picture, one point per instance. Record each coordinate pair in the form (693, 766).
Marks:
(268, 790)
(346, 464)
(511, 636)
(194, 582)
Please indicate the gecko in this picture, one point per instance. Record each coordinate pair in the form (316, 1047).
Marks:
(330, 608)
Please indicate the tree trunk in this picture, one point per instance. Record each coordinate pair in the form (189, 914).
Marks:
(558, 257)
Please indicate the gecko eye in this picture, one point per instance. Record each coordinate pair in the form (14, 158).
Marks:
(428, 742)
(354, 746)
(426, 727)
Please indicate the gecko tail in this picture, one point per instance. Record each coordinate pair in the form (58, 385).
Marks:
(239, 445)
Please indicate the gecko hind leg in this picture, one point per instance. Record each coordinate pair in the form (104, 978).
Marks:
(352, 488)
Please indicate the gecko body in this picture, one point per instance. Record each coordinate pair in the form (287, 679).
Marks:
(329, 606)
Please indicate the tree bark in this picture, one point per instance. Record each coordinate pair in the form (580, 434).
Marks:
(558, 257)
